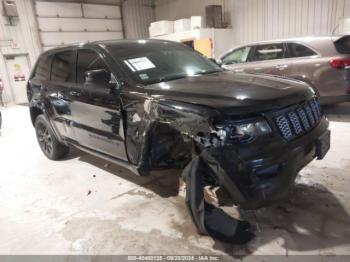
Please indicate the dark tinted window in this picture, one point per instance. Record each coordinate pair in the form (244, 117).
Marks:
(62, 69)
(42, 69)
(236, 56)
(268, 52)
(298, 50)
(88, 60)
(343, 45)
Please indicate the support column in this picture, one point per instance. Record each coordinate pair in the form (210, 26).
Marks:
(30, 29)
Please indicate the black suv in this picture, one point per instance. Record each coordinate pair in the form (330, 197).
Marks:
(151, 104)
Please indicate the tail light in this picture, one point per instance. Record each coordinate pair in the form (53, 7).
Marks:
(340, 63)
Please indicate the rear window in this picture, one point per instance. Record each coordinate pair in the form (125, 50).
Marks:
(42, 69)
(343, 45)
(299, 50)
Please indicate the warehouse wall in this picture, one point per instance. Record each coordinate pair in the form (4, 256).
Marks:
(176, 9)
(137, 16)
(44, 24)
(255, 20)
(64, 23)
(18, 38)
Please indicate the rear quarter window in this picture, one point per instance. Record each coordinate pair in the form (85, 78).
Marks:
(343, 45)
(299, 50)
(42, 69)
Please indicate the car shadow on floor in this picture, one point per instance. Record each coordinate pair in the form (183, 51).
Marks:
(338, 112)
(163, 183)
(310, 219)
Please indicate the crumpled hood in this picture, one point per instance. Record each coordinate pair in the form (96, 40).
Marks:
(234, 93)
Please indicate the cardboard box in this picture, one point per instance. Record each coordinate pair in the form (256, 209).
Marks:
(161, 28)
(182, 25)
(196, 22)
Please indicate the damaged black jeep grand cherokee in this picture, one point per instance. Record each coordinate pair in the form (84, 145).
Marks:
(151, 104)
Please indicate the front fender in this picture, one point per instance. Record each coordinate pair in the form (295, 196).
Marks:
(160, 135)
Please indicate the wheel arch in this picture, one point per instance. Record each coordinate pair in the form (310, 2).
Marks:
(34, 113)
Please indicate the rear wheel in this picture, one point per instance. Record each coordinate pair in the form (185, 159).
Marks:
(48, 143)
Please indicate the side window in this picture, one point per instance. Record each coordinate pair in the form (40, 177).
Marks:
(88, 60)
(62, 68)
(236, 56)
(42, 69)
(268, 52)
(299, 50)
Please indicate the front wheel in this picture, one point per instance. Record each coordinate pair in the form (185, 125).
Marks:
(48, 143)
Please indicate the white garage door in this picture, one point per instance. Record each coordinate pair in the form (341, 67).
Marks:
(64, 23)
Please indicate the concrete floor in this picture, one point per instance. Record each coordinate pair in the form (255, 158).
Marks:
(46, 209)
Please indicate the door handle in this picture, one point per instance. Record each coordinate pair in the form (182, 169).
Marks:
(74, 93)
(281, 66)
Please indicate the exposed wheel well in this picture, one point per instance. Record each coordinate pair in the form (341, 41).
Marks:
(34, 113)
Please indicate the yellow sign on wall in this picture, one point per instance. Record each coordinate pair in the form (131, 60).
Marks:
(203, 46)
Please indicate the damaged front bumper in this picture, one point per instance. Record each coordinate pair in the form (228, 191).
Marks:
(253, 178)
(258, 174)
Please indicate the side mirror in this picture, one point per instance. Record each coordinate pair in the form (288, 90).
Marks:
(99, 83)
(100, 77)
(215, 61)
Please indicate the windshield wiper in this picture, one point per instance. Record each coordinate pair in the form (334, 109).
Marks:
(166, 78)
(208, 72)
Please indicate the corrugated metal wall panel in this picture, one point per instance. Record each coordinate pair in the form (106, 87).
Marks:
(255, 20)
(176, 9)
(137, 16)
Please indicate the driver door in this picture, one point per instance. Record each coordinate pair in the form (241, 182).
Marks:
(95, 106)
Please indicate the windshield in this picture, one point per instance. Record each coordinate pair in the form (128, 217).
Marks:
(154, 62)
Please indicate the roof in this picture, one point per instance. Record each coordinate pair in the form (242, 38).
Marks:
(122, 42)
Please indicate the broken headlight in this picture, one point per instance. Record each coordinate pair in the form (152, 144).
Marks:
(242, 131)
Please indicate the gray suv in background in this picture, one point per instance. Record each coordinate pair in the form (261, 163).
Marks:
(323, 62)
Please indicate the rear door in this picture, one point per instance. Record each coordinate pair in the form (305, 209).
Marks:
(269, 59)
(97, 118)
(40, 77)
(62, 78)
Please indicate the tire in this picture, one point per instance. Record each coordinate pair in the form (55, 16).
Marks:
(48, 143)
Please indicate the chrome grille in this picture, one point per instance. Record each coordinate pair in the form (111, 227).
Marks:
(284, 127)
(294, 121)
(309, 114)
